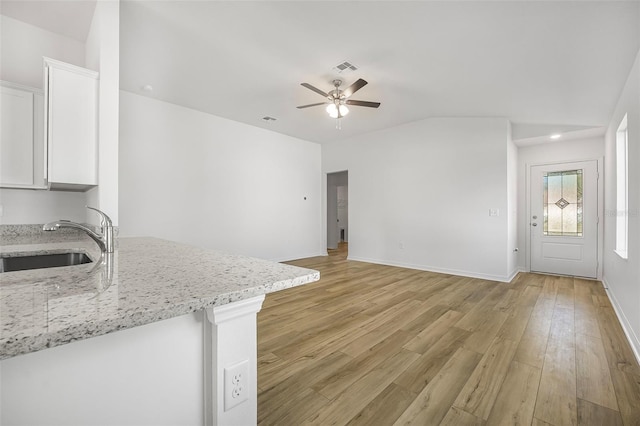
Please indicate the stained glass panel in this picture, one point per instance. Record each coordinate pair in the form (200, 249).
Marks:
(562, 203)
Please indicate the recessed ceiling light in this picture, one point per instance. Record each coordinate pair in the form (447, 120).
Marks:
(147, 88)
(268, 119)
(555, 136)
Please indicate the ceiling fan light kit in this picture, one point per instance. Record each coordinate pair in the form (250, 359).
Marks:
(337, 100)
(337, 110)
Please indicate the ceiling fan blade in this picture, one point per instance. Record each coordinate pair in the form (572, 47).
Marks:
(362, 103)
(315, 89)
(354, 88)
(310, 105)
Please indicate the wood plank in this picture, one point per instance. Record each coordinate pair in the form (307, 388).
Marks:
(585, 310)
(616, 346)
(533, 344)
(508, 301)
(355, 398)
(515, 402)
(431, 314)
(276, 371)
(556, 402)
(480, 392)
(429, 364)
(481, 339)
(331, 386)
(382, 328)
(514, 326)
(434, 332)
(529, 296)
(292, 410)
(538, 422)
(385, 408)
(433, 403)
(627, 387)
(592, 372)
(590, 414)
(457, 417)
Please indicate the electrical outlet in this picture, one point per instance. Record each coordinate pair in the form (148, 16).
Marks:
(236, 384)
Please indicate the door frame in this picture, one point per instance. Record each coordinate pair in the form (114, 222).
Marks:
(600, 204)
(325, 196)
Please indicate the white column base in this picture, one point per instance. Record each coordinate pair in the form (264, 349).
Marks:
(230, 342)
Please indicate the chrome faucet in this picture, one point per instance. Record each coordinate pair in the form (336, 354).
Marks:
(104, 239)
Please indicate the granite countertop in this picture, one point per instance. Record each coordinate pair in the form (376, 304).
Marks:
(145, 280)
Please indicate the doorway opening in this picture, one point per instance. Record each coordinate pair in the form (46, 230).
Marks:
(338, 213)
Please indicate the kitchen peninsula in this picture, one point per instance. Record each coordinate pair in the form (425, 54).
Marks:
(143, 337)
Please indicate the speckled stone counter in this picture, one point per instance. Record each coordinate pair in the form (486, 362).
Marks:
(144, 281)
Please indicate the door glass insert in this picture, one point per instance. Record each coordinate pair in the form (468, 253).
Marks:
(562, 203)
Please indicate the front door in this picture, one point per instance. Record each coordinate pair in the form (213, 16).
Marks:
(564, 219)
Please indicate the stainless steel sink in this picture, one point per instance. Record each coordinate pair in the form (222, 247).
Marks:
(22, 263)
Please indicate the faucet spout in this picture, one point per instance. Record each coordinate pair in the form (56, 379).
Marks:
(104, 239)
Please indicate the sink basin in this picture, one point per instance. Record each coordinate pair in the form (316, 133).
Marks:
(22, 263)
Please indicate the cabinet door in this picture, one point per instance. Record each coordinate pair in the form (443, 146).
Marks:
(71, 127)
(16, 137)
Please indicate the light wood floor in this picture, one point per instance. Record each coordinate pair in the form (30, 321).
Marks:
(380, 345)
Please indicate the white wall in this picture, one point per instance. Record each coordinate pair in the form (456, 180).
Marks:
(215, 183)
(103, 55)
(547, 153)
(22, 48)
(420, 194)
(512, 207)
(622, 275)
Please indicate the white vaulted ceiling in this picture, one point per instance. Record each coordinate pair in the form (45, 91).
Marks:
(545, 65)
(557, 64)
(71, 18)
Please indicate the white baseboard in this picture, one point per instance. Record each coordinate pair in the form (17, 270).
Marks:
(302, 256)
(470, 274)
(515, 273)
(624, 322)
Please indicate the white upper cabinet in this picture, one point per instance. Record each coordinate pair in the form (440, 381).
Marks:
(21, 137)
(71, 126)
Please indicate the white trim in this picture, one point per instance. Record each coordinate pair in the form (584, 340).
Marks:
(231, 311)
(633, 340)
(298, 257)
(48, 62)
(623, 254)
(500, 278)
(12, 85)
(516, 272)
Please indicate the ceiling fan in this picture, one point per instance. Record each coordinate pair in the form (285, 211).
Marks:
(337, 100)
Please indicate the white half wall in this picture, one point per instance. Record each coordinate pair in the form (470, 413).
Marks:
(548, 153)
(420, 195)
(199, 179)
(622, 276)
(89, 382)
